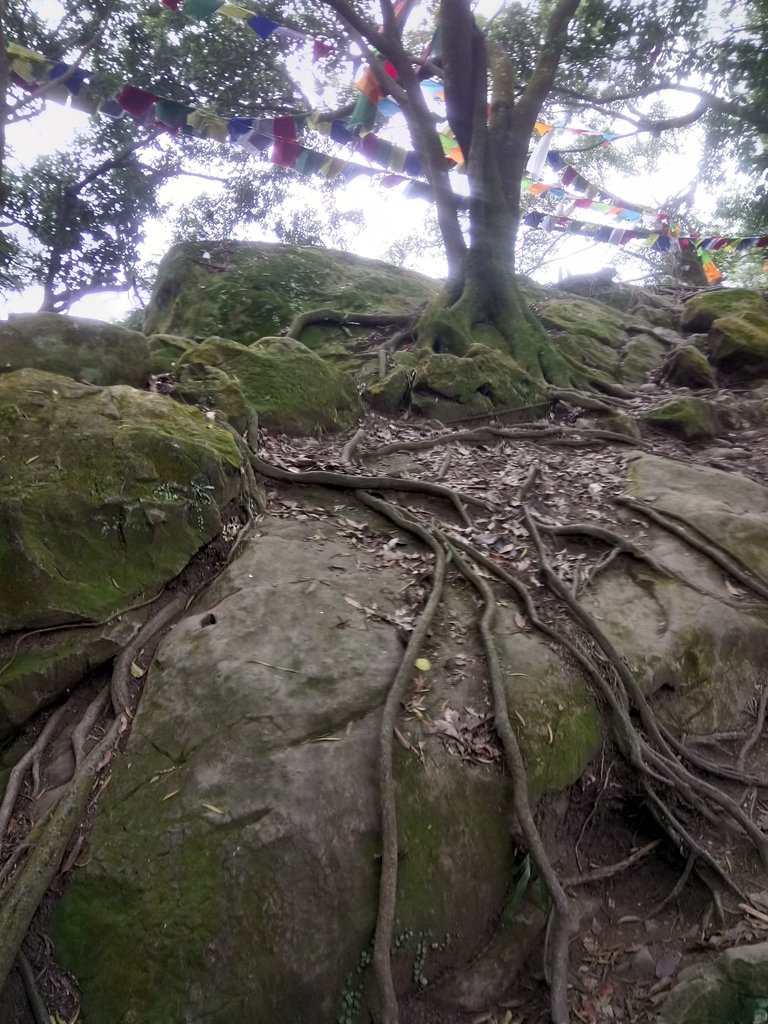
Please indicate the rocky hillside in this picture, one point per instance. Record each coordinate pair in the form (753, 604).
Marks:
(337, 677)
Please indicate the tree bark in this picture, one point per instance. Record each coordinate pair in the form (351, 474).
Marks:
(495, 145)
(4, 83)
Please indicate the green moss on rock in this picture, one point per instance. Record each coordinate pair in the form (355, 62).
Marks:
(641, 355)
(693, 419)
(248, 290)
(105, 494)
(214, 390)
(556, 720)
(739, 344)
(701, 311)
(585, 317)
(688, 367)
(449, 387)
(291, 389)
(165, 351)
(388, 396)
(85, 350)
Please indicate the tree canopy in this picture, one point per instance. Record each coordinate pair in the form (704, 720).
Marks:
(74, 222)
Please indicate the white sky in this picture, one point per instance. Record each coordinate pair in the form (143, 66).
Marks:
(388, 214)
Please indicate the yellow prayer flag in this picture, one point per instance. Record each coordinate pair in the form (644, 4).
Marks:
(234, 11)
(208, 126)
(14, 50)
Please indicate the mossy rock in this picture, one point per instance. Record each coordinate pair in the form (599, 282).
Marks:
(165, 351)
(388, 396)
(701, 311)
(249, 290)
(449, 387)
(213, 389)
(616, 422)
(644, 304)
(731, 989)
(291, 389)
(687, 367)
(586, 317)
(726, 507)
(49, 665)
(257, 876)
(739, 344)
(85, 350)
(586, 350)
(693, 419)
(557, 722)
(105, 495)
(641, 355)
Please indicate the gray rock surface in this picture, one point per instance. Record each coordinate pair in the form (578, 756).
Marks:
(86, 350)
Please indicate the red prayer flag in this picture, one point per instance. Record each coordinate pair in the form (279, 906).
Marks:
(136, 101)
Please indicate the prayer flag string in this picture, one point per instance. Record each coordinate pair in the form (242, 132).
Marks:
(279, 136)
(654, 240)
(265, 28)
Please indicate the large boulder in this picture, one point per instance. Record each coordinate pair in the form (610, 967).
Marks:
(687, 367)
(701, 311)
(584, 318)
(86, 350)
(237, 848)
(693, 419)
(739, 344)
(291, 389)
(105, 495)
(250, 290)
(448, 387)
(697, 655)
(165, 350)
(732, 986)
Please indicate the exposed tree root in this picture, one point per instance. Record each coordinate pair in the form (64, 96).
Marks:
(350, 448)
(516, 766)
(757, 729)
(371, 483)
(35, 999)
(611, 870)
(27, 887)
(578, 437)
(727, 561)
(334, 316)
(660, 759)
(19, 771)
(621, 545)
(385, 919)
(675, 891)
(74, 625)
(584, 400)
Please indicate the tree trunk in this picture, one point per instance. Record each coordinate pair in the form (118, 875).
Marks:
(486, 292)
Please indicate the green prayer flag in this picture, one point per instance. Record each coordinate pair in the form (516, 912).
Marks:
(201, 10)
(171, 113)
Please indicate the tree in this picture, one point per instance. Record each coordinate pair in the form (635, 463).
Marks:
(496, 85)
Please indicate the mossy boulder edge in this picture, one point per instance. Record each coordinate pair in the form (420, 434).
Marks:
(86, 350)
(105, 495)
(250, 290)
(291, 389)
